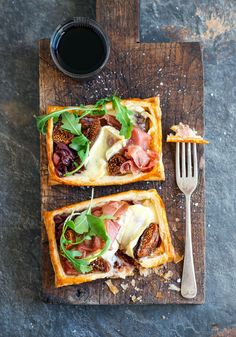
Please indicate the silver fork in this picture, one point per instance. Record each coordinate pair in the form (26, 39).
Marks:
(187, 183)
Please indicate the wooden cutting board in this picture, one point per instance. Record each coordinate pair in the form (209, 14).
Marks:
(172, 70)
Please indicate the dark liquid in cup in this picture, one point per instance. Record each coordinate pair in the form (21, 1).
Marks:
(81, 50)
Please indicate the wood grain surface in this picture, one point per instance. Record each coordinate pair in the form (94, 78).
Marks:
(173, 71)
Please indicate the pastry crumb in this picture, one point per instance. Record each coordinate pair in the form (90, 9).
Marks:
(173, 287)
(178, 280)
(167, 276)
(134, 298)
(174, 228)
(159, 295)
(133, 282)
(112, 287)
(124, 286)
(137, 289)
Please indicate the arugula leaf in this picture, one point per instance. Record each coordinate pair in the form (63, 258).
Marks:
(74, 253)
(70, 123)
(97, 225)
(71, 224)
(123, 115)
(81, 225)
(98, 108)
(42, 120)
(84, 267)
(83, 154)
(86, 225)
(103, 101)
(78, 142)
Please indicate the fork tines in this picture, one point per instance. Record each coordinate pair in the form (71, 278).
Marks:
(186, 161)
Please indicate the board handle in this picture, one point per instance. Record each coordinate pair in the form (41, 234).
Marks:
(120, 20)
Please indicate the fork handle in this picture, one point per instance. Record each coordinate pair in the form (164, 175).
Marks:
(188, 284)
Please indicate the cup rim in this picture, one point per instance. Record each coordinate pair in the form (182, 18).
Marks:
(74, 22)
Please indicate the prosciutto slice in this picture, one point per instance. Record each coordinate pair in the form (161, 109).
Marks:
(143, 160)
(140, 138)
(138, 154)
(113, 228)
(89, 246)
(115, 208)
(129, 166)
(67, 267)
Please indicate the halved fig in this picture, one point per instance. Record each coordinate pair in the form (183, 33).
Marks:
(100, 265)
(147, 242)
(70, 236)
(61, 136)
(123, 260)
(91, 128)
(115, 163)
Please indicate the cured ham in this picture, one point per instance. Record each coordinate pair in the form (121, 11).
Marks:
(89, 246)
(140, 138)
(142, 160)
(67, 267)
(113, 228)
(138, 154)
(115, 208)
(129, 166)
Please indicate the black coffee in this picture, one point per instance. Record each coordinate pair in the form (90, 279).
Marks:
(81, 50)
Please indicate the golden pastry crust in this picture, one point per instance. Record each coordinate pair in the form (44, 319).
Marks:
(165, 253)
(152, 106)
(174, 139)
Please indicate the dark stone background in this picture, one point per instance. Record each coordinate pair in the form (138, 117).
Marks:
(23, 22)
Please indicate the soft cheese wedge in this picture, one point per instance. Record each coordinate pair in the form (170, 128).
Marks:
(96, 163)
(110, 236)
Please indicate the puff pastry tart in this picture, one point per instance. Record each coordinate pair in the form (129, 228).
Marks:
(183, 133)
(112, 142)
(111, 236)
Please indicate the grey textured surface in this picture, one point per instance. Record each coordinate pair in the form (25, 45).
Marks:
(21, 311)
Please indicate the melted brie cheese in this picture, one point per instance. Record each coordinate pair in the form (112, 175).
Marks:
(110, 254)
(115, 148)
(101, 151)
(133, 223)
